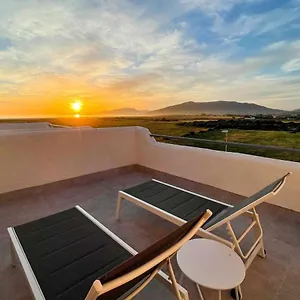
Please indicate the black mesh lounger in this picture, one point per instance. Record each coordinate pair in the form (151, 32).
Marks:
(70, 256)
(179, 205)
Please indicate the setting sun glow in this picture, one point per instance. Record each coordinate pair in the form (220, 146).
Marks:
(76, 106)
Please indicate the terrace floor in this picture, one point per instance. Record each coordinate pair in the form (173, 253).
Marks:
(276, 277)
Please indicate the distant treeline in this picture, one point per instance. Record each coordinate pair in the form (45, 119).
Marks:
(245, 124)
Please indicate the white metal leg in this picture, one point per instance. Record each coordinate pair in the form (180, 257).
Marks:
(237, 297)
(262, 252)
(220, 295)
(240, 291)
(118, 209)
(237, 293)
(199, 291)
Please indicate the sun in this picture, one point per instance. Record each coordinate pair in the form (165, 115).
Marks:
(76, 105)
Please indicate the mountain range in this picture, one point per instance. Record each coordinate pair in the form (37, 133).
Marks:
(196, 108)
(127, 111)
(216, 108)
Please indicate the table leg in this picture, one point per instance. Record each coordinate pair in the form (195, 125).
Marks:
(237, 296)
(220, 295)
(199, 291)
(240, 290)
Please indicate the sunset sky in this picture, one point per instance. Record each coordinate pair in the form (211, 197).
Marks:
(146, 54)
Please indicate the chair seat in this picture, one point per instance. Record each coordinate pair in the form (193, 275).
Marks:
(67, 252)
(181, 204)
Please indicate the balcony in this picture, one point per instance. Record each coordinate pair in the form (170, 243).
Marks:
(45, 171)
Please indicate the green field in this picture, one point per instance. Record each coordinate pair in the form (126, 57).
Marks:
(169, 126)
(274, 138)
(156, 126)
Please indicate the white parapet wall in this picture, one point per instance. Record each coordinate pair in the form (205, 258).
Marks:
(24, 125)
(34, 158)
(19, 128)
(238, 173)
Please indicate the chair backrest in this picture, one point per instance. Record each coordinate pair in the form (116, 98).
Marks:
(254, 200)
(125, 276)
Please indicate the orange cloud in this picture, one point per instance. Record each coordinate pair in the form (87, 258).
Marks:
(51, 95)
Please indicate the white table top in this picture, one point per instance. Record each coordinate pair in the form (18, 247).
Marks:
(211, 264)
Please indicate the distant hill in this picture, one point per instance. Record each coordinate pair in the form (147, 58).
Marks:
(197, 108)
(217, 108)
(125, 112)
(297, 111)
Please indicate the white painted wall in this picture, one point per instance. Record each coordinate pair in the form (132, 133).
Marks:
(24, 125)
(36, 158)
(19, 128)
(238, 173)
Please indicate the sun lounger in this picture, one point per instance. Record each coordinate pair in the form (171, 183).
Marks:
(178, 206)
(70, 256)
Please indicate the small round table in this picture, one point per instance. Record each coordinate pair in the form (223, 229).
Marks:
(213, 265)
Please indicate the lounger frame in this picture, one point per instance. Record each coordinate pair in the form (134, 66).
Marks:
(234, 241)
(18, 252)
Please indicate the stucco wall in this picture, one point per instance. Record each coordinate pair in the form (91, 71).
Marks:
(36, 158)
(238, 173)
(20, 125)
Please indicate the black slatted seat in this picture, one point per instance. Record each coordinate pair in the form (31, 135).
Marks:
(67, 252)
(72, 256)
(181, 204)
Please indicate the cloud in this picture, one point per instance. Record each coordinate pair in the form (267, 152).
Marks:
(215, 6)
(114, 52)
(255, 24)
(292, 65)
